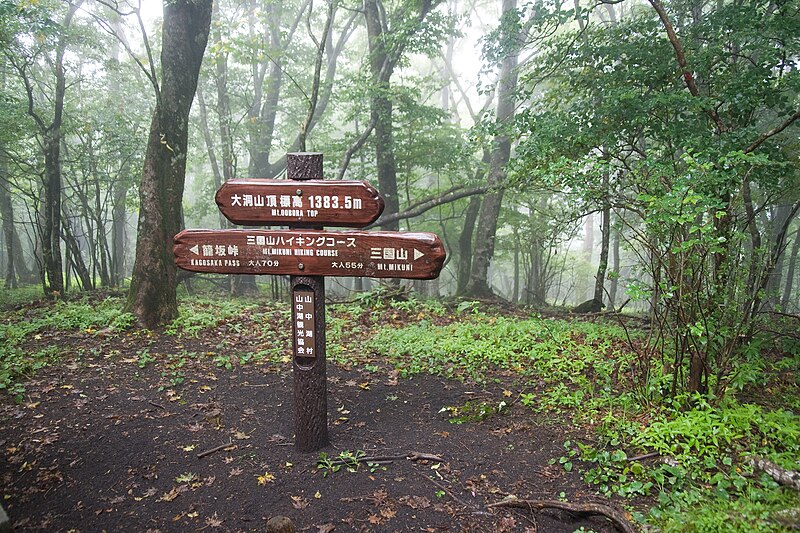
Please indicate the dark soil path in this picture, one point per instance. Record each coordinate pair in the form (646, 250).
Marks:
(100, 444)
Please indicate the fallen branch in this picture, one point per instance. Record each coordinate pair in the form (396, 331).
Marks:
(215, 449)
(783, 476)
(618, 518)
(413, 456)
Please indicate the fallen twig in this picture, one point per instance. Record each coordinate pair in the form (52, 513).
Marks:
(644, 456)
(154, 404)
(413, 456)
(449, 493)
(618, 518)
(215, 449)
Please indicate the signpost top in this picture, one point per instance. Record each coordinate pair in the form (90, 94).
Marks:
(310, 203)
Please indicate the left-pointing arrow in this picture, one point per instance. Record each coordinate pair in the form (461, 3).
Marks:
(195, 249)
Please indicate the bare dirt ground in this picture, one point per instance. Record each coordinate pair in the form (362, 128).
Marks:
(101, 443)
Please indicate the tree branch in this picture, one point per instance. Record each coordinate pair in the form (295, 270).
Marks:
(680, 55)
(774, 131)
(426, 205)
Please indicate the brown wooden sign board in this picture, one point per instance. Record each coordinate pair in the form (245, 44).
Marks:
(372, 254)
(264, 202)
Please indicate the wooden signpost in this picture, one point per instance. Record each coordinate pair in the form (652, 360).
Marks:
(373, 254)
(307, 254)
(314, 203)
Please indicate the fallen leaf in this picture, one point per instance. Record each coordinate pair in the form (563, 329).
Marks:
(298, 502)
(241, 435)
(266, 478)
(171, 495)
(374, 519)
(507, 393)
(235, 472)
(325, 528)
(213, 521)
(364, 386)
(317, 495)
(189, 448)
(416, 502)
(186, 477)
(388, 513)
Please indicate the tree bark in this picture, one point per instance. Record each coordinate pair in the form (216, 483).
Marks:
(17, 270)
(605, 241)
(465, 243)
(381, 113)
(152, 296)
(486, 233)
(612, 290)
(7, 213)
(788, 284)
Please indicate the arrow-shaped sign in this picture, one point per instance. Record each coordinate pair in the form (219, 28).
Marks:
(264, 202)
(374, 254)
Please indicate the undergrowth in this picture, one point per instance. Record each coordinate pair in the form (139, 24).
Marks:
(685, 462)
(689, 457)
(86, 314)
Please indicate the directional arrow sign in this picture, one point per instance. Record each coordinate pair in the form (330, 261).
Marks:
(374, 254)
(263, 202)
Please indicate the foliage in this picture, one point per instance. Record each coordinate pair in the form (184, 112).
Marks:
(86, 315)
(575, 365)
(703, 468)
(473, 411)
(687, 171)
(347, 459)
(196, 315)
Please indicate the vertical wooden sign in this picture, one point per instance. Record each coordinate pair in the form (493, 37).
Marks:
(308, 345)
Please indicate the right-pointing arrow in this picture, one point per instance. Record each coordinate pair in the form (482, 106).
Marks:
(417, 254)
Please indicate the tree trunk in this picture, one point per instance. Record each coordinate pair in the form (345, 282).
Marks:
(7, 212)
(465, 243)
(612, 290)
(774, 282)
(152, 296)
(76, 258)
(381, 112)
(478, 285)
(51, 231)
(790, 270)
(515, 290)
(118, 234)
(16, 271)
(605, 240)
(119, 189)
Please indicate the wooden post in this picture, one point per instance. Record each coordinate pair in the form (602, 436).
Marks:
(308, 328)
